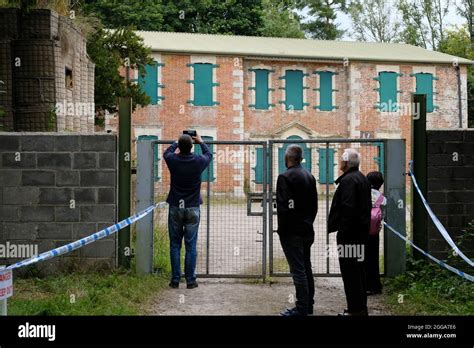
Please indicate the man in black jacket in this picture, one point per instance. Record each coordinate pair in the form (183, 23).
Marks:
(350, 217)
(297, 206)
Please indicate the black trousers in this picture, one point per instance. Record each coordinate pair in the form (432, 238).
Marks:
(353, 277)
(298, 254)
(372, 270)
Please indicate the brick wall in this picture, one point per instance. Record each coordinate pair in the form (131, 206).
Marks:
(42, 177)
(450, 185)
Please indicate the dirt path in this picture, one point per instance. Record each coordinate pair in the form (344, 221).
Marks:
(232, 297)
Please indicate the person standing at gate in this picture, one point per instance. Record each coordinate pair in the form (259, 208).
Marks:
(350, 217)
(297, 206)
(184, 201)
(372, 271)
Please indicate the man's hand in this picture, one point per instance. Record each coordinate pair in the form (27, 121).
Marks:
(197, 139)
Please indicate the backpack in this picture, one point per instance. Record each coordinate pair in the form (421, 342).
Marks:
(376, 216)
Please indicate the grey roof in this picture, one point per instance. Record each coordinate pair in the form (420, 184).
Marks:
(292, 48)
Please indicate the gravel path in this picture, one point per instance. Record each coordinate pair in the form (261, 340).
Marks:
(232, 297)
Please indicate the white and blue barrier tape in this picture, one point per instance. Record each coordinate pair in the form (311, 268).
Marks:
(436, 221)
(87, 240)
(439, 262)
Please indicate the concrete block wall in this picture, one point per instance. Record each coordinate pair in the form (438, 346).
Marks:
(55, 189)
(450, 186)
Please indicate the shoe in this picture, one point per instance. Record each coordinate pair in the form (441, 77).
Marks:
(174, 285)
(192, 285)
(346, 313)
(293, 312)
(373, 292)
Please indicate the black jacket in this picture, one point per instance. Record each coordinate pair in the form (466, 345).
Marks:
(297, 202)
(351, 207)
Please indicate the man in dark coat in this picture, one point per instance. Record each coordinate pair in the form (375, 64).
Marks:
(297, 206)
(350, 217)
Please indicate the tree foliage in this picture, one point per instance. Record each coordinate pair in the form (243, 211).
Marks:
(322, 15)
(372, 20)
(280, 20)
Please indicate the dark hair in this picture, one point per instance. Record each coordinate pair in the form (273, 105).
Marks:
(295, 153)
(185, 144)
(375, 180)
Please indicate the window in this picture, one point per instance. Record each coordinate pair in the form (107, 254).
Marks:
(156, 155)
(424, 85)
(326, 176)
(294, 96)
(306, 163)
(325, 91)
(148, 82)
(262, 90)
(388, 92)
(259, 166)
(209, 171)
(68, 78)
(203, 84)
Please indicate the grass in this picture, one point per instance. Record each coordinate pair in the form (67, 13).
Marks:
(96, 292)
(426, 289)
(92, 293)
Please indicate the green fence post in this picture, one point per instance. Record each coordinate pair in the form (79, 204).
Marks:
(124, 178)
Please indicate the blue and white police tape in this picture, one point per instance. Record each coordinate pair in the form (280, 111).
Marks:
(436, 221)
(87, 240)
(439, 262)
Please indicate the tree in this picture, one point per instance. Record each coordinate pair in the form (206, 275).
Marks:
(111, 50)
(373, 20)
(238, 17)
(322, 16)
(457, 43)
(279, 20)
(424, 21)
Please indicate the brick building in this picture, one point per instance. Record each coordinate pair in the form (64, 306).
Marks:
(255, 88)
(47, 76)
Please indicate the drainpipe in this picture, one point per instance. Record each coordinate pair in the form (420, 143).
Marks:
(458, 75)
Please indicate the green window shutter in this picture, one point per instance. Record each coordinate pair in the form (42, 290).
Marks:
(209, 171)
(325, 91)
(259, 166)
(294, 90)
(388, 91)
(261, 89)
(156, 155)
(424, 85)
(203, 84)
(380, 158)
(322, 166)
(148, 81)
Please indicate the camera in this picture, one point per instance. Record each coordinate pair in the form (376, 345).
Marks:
(190, 132)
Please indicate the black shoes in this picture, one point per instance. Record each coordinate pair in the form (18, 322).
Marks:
(346, 313)
(293, 312)
(373, 292)
(192, 285)
(174, 285)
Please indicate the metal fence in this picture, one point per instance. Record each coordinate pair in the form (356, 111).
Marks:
(321, 158)
(238, 192)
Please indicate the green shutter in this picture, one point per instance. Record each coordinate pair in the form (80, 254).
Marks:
(325, 91)
(209, 171)
(156, 155)
(261, 89)
(259, 166)
(380, 158)
(424, 85)
(148, 81)
(388, 91)
(294, 90)
(322, 166)
(203, 84)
